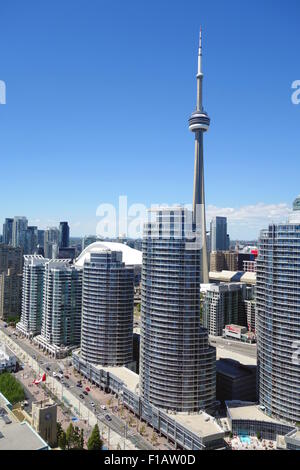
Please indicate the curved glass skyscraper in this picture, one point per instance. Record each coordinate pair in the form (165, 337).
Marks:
(107, 309)
(177, 366)
(278, 317)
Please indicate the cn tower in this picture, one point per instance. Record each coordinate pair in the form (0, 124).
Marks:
(199, 123)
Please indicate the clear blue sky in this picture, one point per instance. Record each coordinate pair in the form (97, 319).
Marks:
(99, 94)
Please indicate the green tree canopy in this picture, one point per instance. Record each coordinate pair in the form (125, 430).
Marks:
(11, 388)
(74, 438)
(94, 442)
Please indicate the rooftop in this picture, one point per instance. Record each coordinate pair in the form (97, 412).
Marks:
(15, 435)
(248, 411)
(234, 369)
(202, 424)
(233, 276)
(241, 356)
(130, 378)
(131, 257)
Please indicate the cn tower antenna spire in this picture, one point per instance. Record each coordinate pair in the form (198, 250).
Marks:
(199, 74)
(199, 123)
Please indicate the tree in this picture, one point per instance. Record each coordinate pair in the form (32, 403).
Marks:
(70, 435)
(11, 388)
(61, 437)
(94, 442)
(74, 438)
(81, 439)
(142, 429)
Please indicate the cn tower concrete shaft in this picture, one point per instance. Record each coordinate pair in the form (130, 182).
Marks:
(199, 123)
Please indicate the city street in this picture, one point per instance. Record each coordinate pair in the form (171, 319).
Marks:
(115, 418)
(234, 346)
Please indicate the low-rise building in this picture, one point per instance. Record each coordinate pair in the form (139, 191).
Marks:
(246, 418)
(239, 333)
(235, 381)
(15, 435)
(190, 431)
(8, 361)
(44, 421)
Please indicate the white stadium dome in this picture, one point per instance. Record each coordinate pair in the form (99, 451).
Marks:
(130, 256)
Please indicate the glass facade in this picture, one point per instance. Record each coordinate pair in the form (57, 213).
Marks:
(177, 366)
(107, 310)
(278, 320)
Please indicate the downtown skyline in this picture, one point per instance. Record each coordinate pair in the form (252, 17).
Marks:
(57, 126)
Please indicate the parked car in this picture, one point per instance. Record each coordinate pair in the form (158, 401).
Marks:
(88, 389)
(92, 404)
(103, 407)
(85, 393)
(108, 417)
(81, 396)
(67, 377)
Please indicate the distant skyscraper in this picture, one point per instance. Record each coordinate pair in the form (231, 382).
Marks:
(107, 309)
(8, 231)
(61, 321)
(19, 231)
(32, 295)
(10, 295)
(223, 260)
(51, 242)
(64, 235)
(278, 318)
(224, 305)
(177, 365)
(31, 240)
(11, 258)
(218, 234)
(67, 253)
(41, 237)
(199, 123)
(11, 263)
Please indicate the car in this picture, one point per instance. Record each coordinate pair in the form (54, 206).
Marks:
(107, 417)
(61, 372)
(85, 393)
(67, 377)
(81, 396)
(103, 407)
(48, 368)
(88, 389)
(67, 385)
(54, 374)
(92, 404)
